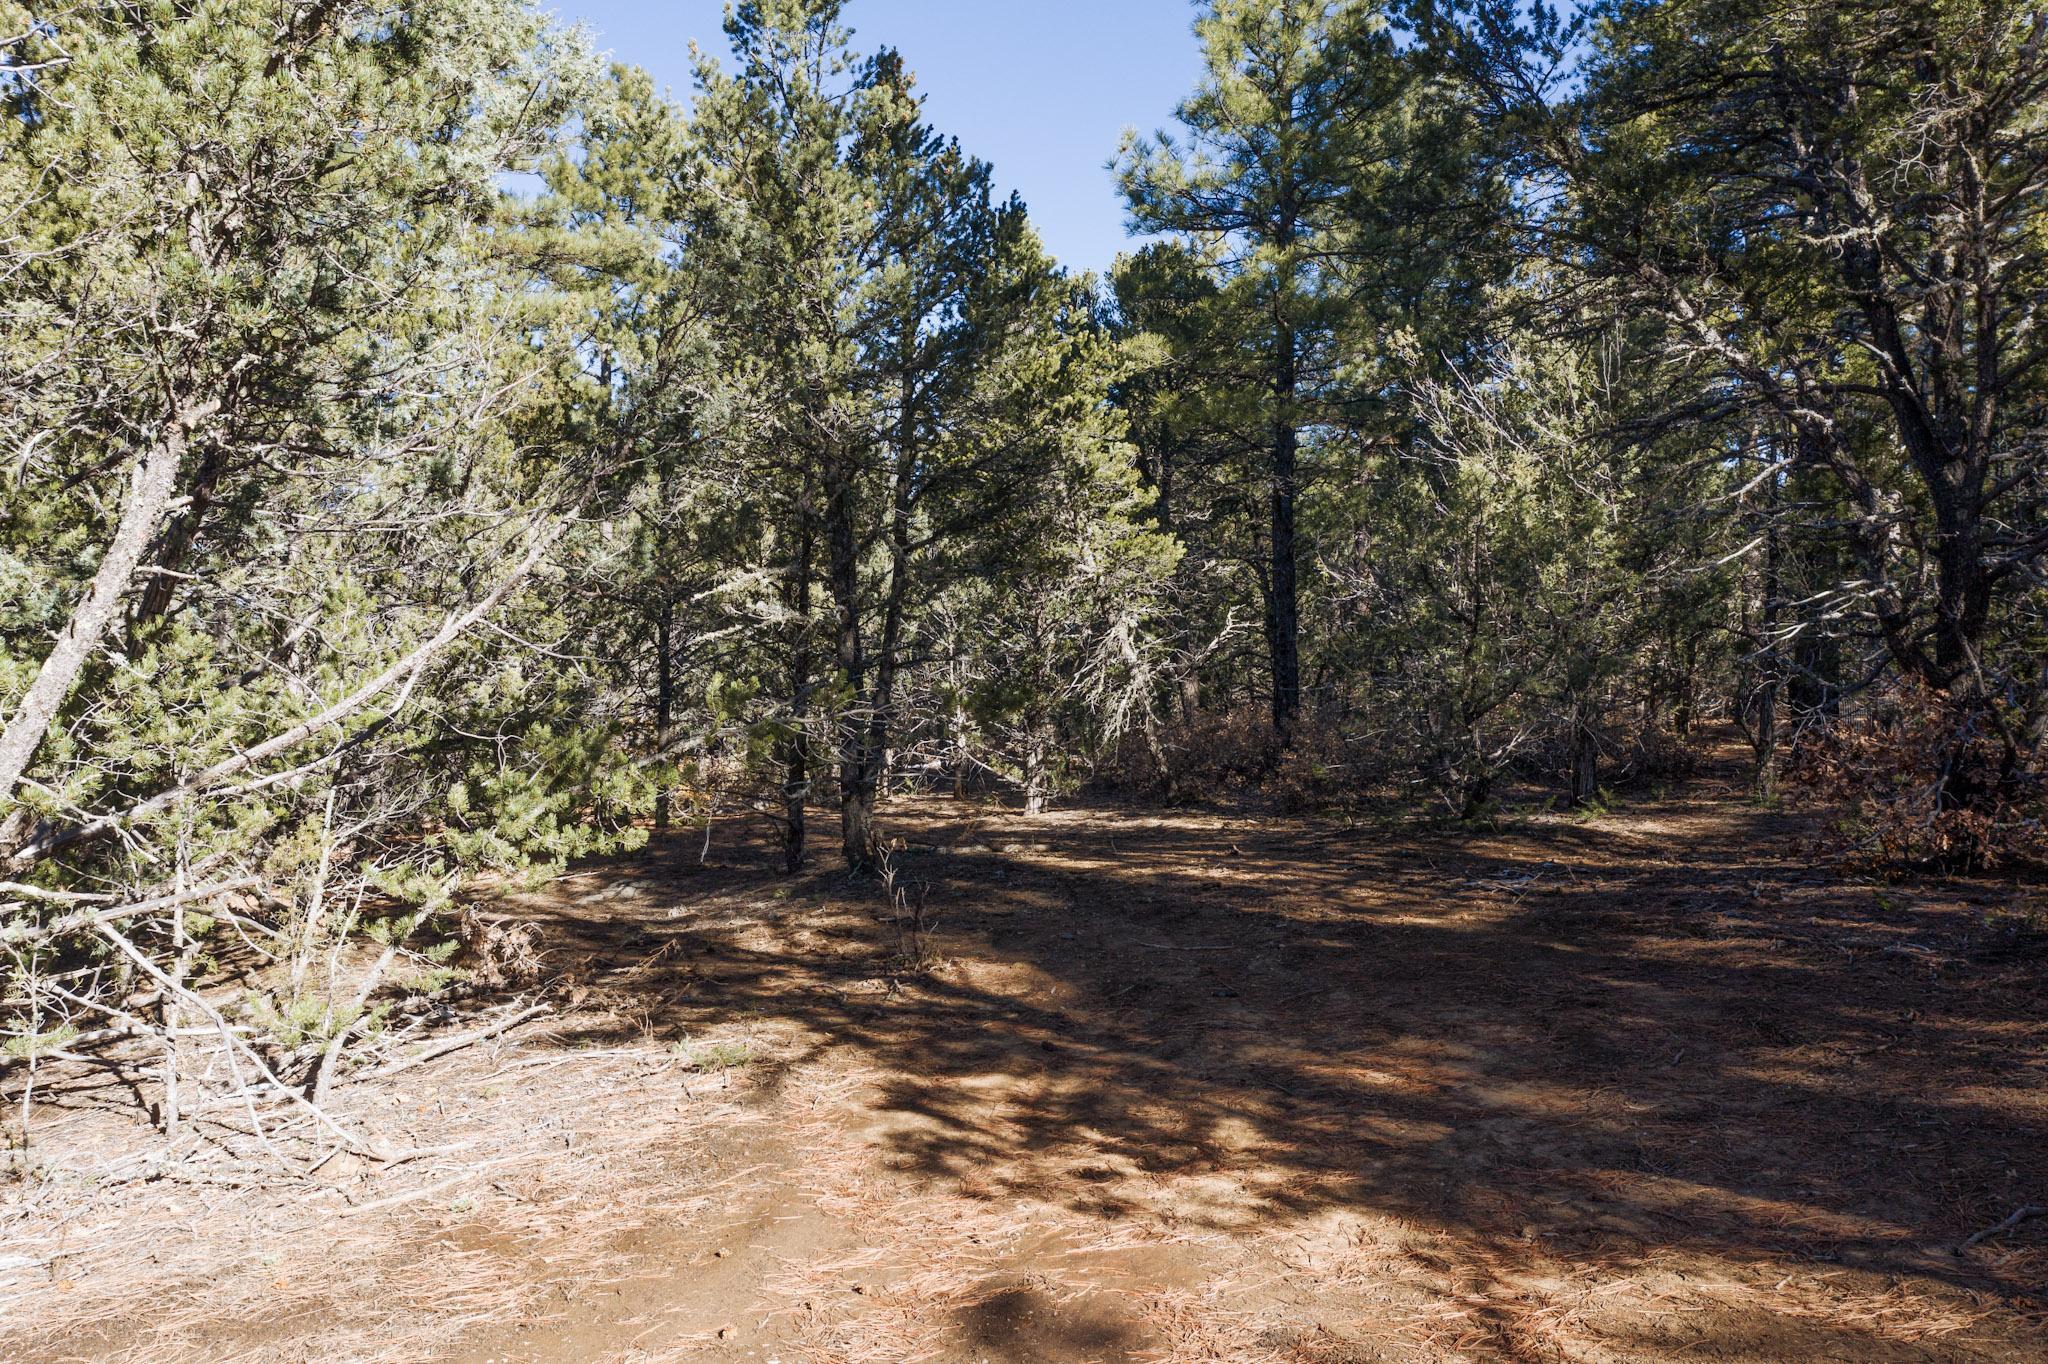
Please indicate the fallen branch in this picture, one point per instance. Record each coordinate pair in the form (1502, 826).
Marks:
(442, 1186)
(454, 1044)
(48, 840)
(89, 920)
(152, 485)
(233, 1043)
(2019, 1216)
(322, 1076)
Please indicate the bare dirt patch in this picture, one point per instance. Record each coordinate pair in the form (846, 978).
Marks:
(1181, 1086)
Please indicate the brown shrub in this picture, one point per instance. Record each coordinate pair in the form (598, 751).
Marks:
(1656, 754)
(500, 954)
(1929, 779)
(1221, 753)
(1325, 769)
(1211, 754)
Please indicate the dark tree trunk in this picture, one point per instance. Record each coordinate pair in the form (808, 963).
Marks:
(1478, 785)
(1685, 698)
(1477, 793)
(1283, 608)
(963, 755)
(664, 701)
(895, 605)
(796, 786)
(1584, 761)
(1283, 590)
(853, 724)
(1763, 735)
(1037, 766)
(793, 748)
(1946, 430)
(177, 539)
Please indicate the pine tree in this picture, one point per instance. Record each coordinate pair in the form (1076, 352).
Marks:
(1274, 152)
(291, 435)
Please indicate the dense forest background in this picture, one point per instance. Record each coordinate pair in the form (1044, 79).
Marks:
(431, 454)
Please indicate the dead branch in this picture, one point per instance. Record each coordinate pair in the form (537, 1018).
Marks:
(2019, 1216)
(85, 921)
(155, 480)
(455, 1044)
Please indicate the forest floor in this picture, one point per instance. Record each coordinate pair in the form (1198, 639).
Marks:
(1172, 1086)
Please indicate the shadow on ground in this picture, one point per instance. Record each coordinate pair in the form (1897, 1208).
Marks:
(1666, 1044)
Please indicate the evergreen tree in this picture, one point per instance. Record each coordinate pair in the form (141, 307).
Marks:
(1830, 211)
(286, 447)
(913, 339)
(1278, 134)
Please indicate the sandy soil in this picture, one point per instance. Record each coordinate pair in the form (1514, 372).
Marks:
(1173, 1086)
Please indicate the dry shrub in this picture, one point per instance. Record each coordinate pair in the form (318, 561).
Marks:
(500, 954)
(1931, 780)
(1208, 754)
(1631, 753)
(1324, 769)
(1222, 753)
(1656, 754)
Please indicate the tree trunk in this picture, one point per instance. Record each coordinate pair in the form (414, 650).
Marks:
(155, 480)
(865, 737)
(177, 539)
(853, 725)
(857, 826)
(1283, 607)
(1764, 738)
(664, 702)
(1685, 698)
(793, 748)
(877, 757)
(1478, 791)
(795, 753)
(1764, 709)
(1479, 778)
(1283, 604)
(1584, 771)
(1037, 768)
(962, 754)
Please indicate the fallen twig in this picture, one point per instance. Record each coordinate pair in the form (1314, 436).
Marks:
(233, 1043)
(441, 1186)
(454, 1044)
(2019, 1216)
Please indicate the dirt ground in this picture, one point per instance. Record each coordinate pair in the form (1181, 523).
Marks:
(1167, 1086)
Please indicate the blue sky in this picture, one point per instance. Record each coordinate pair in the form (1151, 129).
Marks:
(1042, 89)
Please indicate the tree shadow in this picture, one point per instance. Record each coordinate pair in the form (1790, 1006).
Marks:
(1667, 1041)
(1021, 1324)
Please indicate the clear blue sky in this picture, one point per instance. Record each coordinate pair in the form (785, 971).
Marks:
(1041, 89)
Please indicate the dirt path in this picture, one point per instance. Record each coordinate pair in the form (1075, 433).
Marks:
(1191, 1087)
